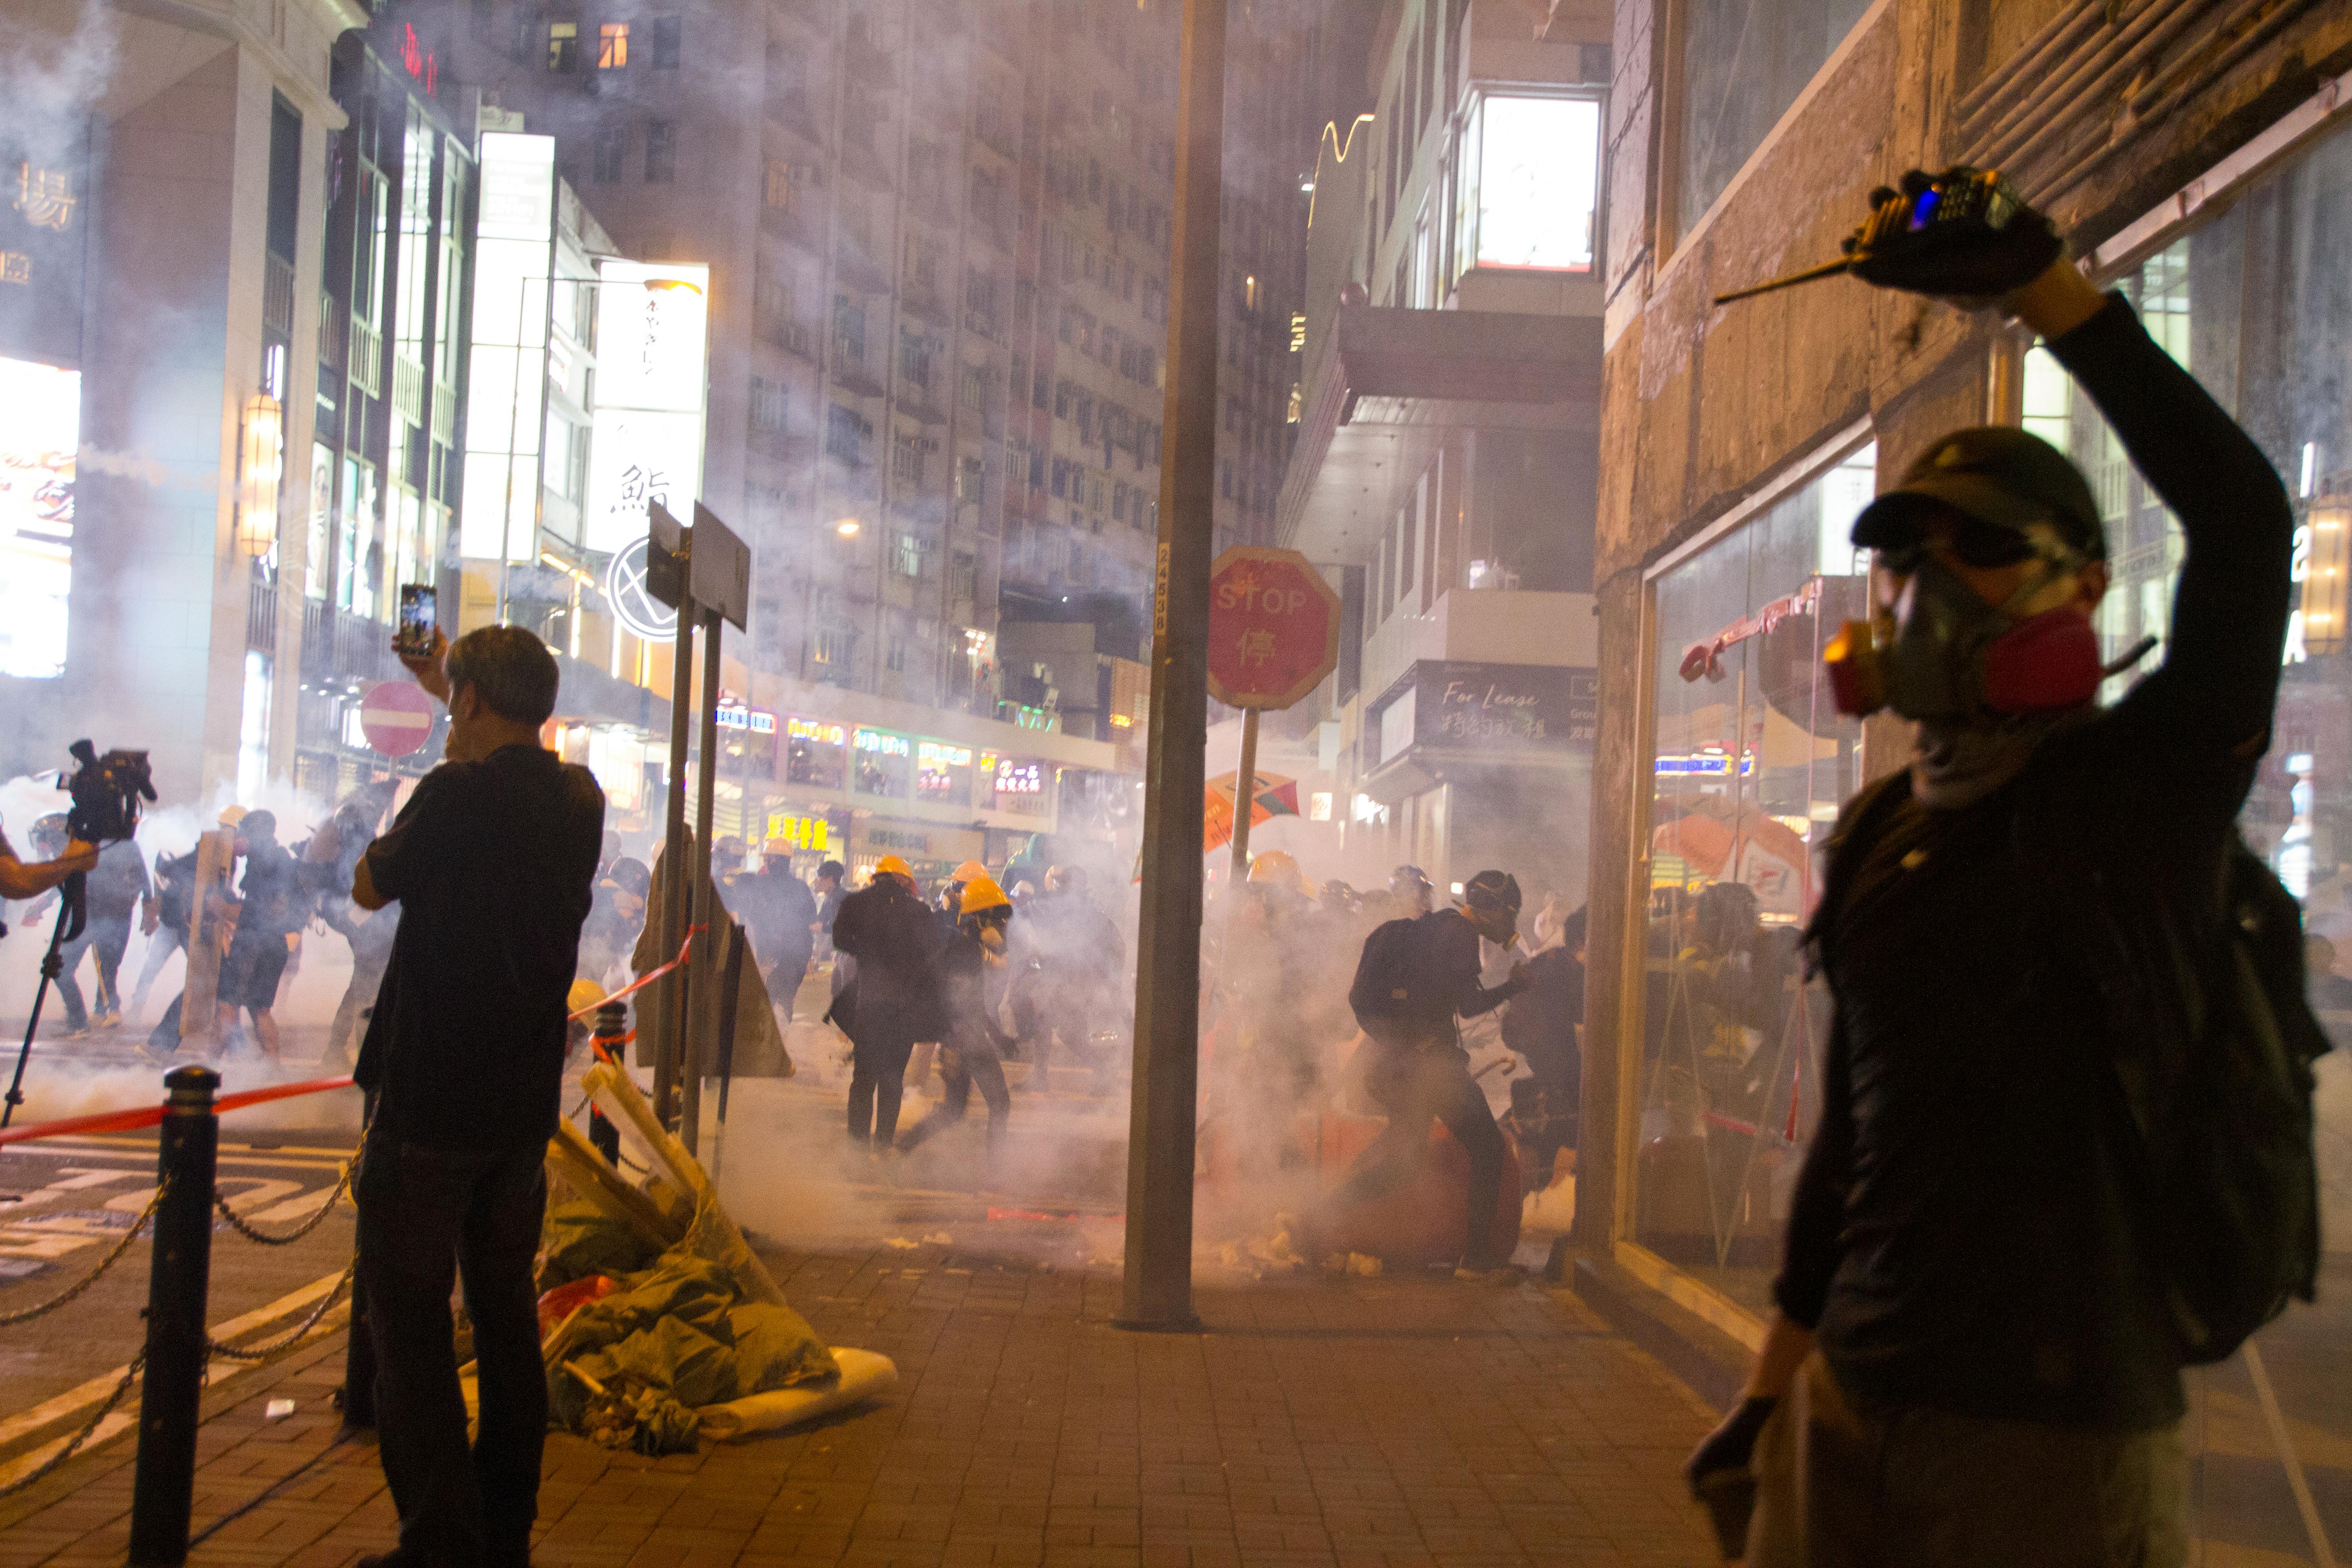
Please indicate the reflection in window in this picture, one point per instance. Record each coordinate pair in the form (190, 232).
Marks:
(1752, 760)
(1743, 63)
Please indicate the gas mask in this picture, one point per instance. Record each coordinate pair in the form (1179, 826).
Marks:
(991, 943)
(1942, 654)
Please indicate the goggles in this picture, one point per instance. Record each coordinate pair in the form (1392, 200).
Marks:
(1974, 542)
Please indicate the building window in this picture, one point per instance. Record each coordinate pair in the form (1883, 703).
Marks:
(1736, 86)
(1037, 470)
(1118, 502)
(970, 479)
(907, 460)
(1528, 187)
(1061, 400)
(1061, 479)
(612, 46)
(611, 153)
(782, 190)
(907, 559)
(661, 152)
(666, 33)
(846, 432)
(767, 405)
(974, 392)
(562, 46)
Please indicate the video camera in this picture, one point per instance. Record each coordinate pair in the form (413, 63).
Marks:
(106, 792)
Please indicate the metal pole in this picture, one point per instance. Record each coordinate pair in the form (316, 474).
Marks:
(164, 1487)
(1245, 800)
(612, 1023)
(708, 956)
(1158, 1290)
(673, 896)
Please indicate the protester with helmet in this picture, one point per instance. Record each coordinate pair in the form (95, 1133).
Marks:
(970, 1040)
(893, 1001)
(1411, 886)
(2013, 930)
(1415, 976)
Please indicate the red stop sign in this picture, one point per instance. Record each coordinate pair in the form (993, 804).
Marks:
(396, 717)
(1274, 628)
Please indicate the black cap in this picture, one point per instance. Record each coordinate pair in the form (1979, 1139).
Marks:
(1996, 474)
(1492, 890)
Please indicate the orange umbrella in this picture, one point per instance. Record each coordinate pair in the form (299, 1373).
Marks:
(1274, 796)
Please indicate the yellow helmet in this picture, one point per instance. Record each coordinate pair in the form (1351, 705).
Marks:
(584, 994)
(892, 866)
(968, 873)
(1277, 866)
(231, 816)
(982, 894)
(777, 849)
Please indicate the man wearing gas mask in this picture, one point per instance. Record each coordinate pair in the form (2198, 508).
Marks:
(1972, 1360)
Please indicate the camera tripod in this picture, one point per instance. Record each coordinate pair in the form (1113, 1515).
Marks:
(72, 911)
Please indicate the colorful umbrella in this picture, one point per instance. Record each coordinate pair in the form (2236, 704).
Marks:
(1275, 795)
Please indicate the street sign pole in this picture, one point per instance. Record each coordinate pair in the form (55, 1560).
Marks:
(668, 552)
(718, 588)
(1245, 800)
(1157, 1292)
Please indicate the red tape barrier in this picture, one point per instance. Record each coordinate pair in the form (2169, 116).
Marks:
(151, 1115)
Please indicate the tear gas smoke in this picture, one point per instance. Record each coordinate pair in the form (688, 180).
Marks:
(51, 76)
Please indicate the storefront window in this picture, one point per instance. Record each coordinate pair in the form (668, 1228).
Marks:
(942, 773)
(884, 764)
(817, 753)
(1527, 186)
(1751, 761)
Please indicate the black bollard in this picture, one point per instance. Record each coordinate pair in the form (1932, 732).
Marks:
(612, 1024)
(177, 1285)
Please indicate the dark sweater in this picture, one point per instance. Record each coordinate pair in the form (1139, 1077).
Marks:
(1963, 1236)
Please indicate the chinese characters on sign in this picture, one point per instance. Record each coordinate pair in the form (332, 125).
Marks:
(1497, 708)
(45, 197)
(1274, 628)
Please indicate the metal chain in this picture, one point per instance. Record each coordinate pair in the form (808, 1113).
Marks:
(26, 1315)
(73, 1444)
(239, 1222)
(264, 1351)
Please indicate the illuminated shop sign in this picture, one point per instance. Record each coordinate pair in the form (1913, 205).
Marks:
(1705, 765)
(817, 729)
(40, 429)
(1020, 778)
(646, 445)
(800, 832)
(882, 744)
(753, 721)
(937, 754)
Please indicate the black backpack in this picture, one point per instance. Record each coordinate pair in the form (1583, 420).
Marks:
(2216, 1090)
(1390, 980)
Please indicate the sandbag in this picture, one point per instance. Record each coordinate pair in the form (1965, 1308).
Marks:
(864, 1375)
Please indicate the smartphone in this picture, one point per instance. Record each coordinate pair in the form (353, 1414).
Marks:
(416, 619)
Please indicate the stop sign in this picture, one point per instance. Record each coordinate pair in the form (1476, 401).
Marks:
(396, 717)
(1274, 628)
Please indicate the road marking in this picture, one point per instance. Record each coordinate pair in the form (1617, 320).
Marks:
(73, 1401)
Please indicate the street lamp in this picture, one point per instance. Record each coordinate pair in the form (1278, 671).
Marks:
(261, 468)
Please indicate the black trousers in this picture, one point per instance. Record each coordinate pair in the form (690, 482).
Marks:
(878, 1082)
(429, 1217)
(962, 1068)
(1415, 1086)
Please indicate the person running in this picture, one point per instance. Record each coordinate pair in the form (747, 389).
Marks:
(269, 910)
(117, 890)
(1415, 977)
(972, 1041)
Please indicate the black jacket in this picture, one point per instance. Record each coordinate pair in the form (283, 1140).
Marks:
(895, 939)
(1966, 1231)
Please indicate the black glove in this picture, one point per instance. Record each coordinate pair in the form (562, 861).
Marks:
(1965, 233)
(1721, 1476)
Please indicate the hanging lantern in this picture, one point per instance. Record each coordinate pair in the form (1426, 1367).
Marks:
(261, 466)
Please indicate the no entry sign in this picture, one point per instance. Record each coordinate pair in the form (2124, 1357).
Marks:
(1274, 628)
(396, 717)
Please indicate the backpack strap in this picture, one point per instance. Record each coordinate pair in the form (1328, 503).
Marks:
(1858, 827)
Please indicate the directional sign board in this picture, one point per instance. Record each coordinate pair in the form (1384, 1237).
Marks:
(396, 717)
(1274, 628)
(720, 569)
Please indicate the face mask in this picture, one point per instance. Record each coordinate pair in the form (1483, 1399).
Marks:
(1945, 655)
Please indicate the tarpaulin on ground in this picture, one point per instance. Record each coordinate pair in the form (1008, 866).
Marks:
(632, 1367)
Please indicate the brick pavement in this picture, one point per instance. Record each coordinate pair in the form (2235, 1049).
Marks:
(1358, 1422)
